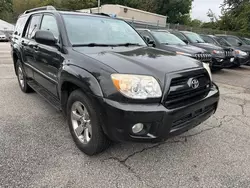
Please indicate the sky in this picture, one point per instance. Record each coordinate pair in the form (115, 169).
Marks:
(200, 8)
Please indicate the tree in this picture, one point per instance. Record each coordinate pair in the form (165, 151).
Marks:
(6, 10)
(236, 16)
(196, 23)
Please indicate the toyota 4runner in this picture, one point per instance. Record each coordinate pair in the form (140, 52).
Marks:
(107, 81)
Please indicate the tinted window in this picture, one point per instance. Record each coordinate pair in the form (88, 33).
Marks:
(195, 38)
(33, 26)
(167, 38)
(49, 24)
(20, 26)
(83, 29)
(208, 39)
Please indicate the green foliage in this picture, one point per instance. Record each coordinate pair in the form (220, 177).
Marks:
(6, 10)
(178, 11)
(236, 16)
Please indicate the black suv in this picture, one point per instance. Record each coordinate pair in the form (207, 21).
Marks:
(237, 43)
(165, 40)
(221, 57)
(107, 81)
(240, 56)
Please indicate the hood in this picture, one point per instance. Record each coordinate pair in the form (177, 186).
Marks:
(183, 48)
(139, 60)
(207, 46)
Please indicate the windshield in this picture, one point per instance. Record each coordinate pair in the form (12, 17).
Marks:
(195, 38)
(1, 33)
(83, 30)
(233, 41)
(167, 38)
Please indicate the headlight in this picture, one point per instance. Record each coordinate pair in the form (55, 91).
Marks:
(241, 53)
(218, 52)
(206, 66)
(137, 86)
(182, 53)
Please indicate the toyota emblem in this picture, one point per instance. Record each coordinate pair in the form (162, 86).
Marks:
(195, 83)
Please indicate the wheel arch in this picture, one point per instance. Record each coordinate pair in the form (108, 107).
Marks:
(73, 78)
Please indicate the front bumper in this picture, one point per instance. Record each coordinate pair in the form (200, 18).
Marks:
(223, 62)
(160, 123)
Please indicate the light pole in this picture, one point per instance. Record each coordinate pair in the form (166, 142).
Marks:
(99, 4)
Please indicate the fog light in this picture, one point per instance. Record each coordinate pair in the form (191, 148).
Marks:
(137, 128)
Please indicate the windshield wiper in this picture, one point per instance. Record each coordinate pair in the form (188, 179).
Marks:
(92, 45)
(129, 44)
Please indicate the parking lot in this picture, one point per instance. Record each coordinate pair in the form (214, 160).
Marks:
(37, 150)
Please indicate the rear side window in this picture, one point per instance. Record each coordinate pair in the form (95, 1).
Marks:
(49, 24)
(33, 26)
(20, 26)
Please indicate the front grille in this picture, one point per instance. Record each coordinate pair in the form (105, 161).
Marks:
(228, 53)
(181, 91)
(205, 57)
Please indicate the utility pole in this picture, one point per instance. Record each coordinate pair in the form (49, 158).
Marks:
(99, 4)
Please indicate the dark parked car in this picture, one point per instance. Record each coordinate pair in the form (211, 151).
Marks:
(238, 43)
(241, 57)
(167, 41)
(221, 57)
(107, 81)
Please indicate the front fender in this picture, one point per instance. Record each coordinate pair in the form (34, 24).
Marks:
(81, 78)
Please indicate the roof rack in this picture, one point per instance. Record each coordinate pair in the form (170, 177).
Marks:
(101, 14)
(40, 8)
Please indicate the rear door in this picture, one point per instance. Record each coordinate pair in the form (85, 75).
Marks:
(28, 43)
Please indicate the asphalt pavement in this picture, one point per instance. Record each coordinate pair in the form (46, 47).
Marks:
(37, 150)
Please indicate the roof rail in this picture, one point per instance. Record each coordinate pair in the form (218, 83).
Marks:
(40, 8)
(102, 14)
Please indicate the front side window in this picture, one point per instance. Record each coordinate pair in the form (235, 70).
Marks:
(33, 26)
(49, 24)
(167, 38)
(84, 30)
(195, 38)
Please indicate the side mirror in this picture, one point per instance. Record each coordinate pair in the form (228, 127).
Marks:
(149, 41)
(45, 37)
(240, 43)
(185, 40)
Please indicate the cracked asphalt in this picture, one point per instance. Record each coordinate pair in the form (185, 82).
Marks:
(36, 148)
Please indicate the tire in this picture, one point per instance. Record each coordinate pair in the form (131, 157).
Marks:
(83, 112)
(22, 80)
